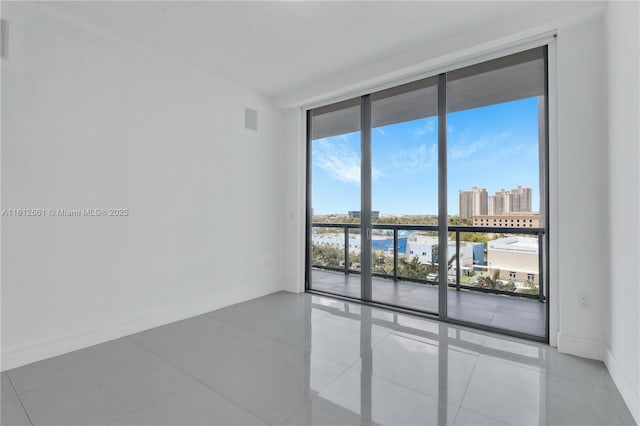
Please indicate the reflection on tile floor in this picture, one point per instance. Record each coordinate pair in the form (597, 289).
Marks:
(504, 312)
(300, 359)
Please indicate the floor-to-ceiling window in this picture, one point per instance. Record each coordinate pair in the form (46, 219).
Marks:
(334, 181)
(496, 142)
(404, 191)
(431, 195)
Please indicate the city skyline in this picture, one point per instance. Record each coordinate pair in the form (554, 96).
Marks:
(493, 147)
(477, 201)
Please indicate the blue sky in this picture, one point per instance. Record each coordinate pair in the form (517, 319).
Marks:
(492, 147)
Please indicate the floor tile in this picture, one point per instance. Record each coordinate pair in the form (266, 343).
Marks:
(284, 317)
(320, 411)
(307, 359)
(379, 402)
(579, 369)
(506, 392)
(625, 415)
(469, 418)
(573, 403)
(195, 345)
(535, 397)
(104, 393)
(47, 371)
(7, 388)
(60, 404)
(418, 366)
(12, 413)
(344, 339)
(272, 380)
(470, 337)
(543, 359)
(507, 346)
(194, 405)
(411, 324)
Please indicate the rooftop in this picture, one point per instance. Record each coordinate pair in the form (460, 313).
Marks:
(517, 244)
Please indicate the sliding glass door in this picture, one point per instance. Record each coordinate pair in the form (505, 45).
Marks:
(404, 191)
(496, 143)
(335, 188)
(431, 196)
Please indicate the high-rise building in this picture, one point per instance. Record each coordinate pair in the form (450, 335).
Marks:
(520, 199)
(473, 202)
(510, 201)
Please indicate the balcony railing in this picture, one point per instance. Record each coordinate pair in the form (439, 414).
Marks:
(484, 281)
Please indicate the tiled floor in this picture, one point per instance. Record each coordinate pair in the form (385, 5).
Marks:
(299, 359)
(504, 312)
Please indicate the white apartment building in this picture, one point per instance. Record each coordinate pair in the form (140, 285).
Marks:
(473, 202)
(509, 201)
(516, 257)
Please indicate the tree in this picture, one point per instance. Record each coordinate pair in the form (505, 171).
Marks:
(378, 260)
(412, 268)
(490, 282)
(326, 254)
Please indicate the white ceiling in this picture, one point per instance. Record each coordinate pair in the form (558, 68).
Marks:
(288, 50)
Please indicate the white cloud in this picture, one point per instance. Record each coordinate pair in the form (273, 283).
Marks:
(462, 149)
(417, 159)
(428, 127)
(467, 150)
(339, 161)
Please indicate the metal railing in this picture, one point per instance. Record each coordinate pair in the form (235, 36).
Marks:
(455, 229)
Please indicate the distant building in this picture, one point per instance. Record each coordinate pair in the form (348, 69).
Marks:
(356, 214)
(509, 201)
(511, 220)
(473, 202)
(425, 249)
(377, 242)
(515, 257)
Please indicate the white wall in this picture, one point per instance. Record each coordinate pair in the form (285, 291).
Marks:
(293, 190)
(582, 182)
(623, 72)
(91, 121)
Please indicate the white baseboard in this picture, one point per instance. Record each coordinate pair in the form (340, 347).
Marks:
(626, 389)
(16, 357)
(579, 346)
(293, 287)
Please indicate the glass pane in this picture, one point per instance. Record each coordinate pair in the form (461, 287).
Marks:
(404, 149)
(335, 193)
(495, 154)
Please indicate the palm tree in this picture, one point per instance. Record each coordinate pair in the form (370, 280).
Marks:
(490, 282)
(530, 288)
